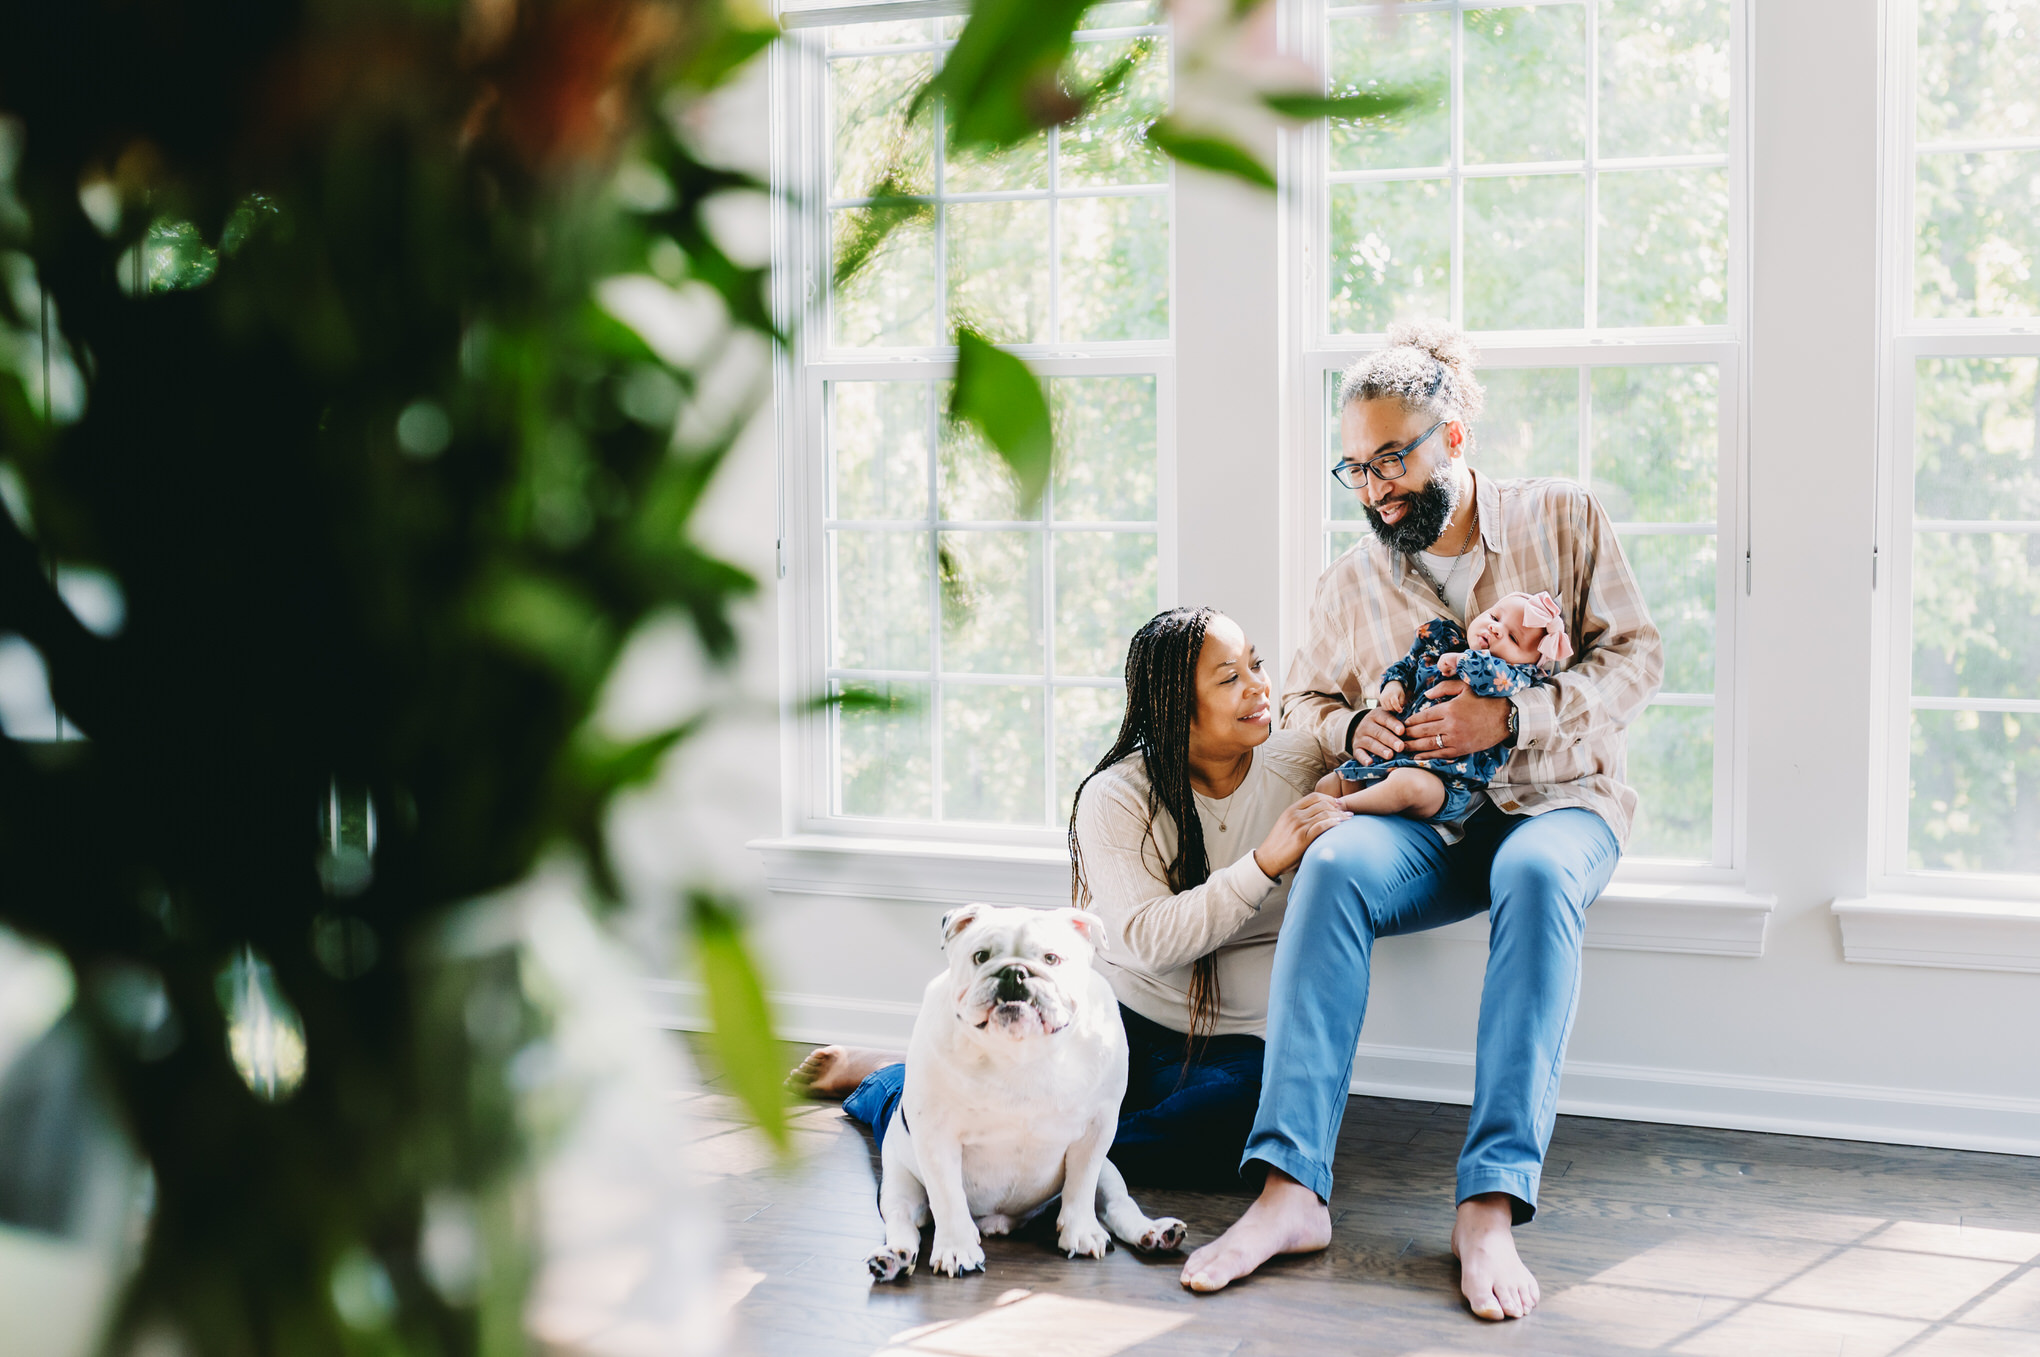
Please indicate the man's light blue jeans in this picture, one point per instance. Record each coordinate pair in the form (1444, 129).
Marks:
(1378, 875)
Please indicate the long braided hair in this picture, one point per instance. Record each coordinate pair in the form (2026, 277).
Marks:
(1161, 705)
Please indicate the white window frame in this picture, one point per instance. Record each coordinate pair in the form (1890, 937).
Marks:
(1905, 340)
(1318, 351)
(802, 296)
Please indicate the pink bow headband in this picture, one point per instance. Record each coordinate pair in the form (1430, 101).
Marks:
(1541, 610)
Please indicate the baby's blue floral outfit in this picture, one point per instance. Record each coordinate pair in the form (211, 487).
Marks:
(1486, 676)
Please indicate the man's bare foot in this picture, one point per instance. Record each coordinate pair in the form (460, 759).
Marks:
(1286, 1218)
(1491, 1276)
(834, 1071)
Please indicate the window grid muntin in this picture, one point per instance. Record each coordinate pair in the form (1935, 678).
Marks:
(1148, 357)
(1910, 339)
(1054, 195)
(1456, 172)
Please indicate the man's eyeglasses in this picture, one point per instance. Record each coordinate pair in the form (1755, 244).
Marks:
(1386, 467)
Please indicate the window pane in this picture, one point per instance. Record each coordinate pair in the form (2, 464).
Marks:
(1976, 614)
(1664, 77)
(1978, 218)
(1123, 14)
(1525, 249)
(1105, 448)
(991, 603)
(1018, 167)
(998, 268)
(1676, 574)
(892, 301)
(881, 599)
(882, 758)
(1975, 792)
(1973, 435)
(975, 485)
(992, 754)
(1086, 721)
(1105, 588)
(868, 100)
(1663, 248)
(1526, 84)
(878, 441)
(1115, 268)
(1531, 426)
(1978, 69)
(1391, 253)
(1108, 145)
(1656, 442)
(1376, 54)
(1339, 541)
(1671, 765)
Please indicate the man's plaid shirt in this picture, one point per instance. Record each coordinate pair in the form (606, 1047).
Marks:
(1536, 535)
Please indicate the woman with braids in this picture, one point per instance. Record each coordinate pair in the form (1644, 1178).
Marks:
(1185, 837)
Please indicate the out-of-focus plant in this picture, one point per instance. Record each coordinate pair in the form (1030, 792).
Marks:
(1009, 76)
(331, 492)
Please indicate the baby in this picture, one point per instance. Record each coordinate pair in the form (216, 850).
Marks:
(1513, 645)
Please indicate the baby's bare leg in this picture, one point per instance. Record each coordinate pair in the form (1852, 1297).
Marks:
(1405, 791)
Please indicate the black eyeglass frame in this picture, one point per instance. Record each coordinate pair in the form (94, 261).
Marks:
(1377, 467)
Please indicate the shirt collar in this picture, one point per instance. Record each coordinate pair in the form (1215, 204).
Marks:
(1488, 499)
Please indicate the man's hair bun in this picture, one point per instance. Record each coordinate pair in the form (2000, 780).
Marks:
(1427, 365)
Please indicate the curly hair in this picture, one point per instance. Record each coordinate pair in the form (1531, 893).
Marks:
(1427, 365)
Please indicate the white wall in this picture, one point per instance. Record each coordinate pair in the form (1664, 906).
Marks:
(1798, 1039)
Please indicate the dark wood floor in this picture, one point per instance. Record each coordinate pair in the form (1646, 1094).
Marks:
(1649, 1239)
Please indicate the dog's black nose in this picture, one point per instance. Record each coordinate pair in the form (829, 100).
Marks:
(1012, 983)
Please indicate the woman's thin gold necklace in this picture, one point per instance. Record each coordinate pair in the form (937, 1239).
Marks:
(1224, 808)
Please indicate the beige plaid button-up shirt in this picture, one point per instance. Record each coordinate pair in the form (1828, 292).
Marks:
(1536, 535)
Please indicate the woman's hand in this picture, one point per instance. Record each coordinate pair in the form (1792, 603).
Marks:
(1294, 830)
(1454, 728)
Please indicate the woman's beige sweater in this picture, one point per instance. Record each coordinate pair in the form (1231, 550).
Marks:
(1157, 933)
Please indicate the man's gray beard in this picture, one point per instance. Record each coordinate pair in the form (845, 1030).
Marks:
(1430, 509)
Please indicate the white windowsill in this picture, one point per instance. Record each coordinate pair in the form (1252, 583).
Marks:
(1630, 916)
(1945, 931)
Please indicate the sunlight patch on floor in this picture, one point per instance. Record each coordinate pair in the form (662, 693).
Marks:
(1924, 1288)
(1022, 1322)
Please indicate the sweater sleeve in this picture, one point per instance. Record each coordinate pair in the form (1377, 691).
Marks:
(1153, 928)
(1621, 657)
(1487, 676)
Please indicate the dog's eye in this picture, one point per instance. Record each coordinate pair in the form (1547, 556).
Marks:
(980, 958)
(1051, 958)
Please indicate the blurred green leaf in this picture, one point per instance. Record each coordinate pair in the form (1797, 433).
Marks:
(1209, 151)
(997, 394)
(742, 1033)
(857, 698)
(1002, 81)
(725, 51)
(888, 210)
(1307, 106)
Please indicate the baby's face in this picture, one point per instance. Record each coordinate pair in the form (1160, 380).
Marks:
(1503, 632)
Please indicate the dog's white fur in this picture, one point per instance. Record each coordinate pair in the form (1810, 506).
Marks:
(1011, 1099)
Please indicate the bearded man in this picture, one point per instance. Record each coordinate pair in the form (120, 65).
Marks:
(1446, 542)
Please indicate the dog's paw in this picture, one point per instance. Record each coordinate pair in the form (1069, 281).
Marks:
(889, 1265)
(954, 1257)
(1082, 1237)
(1163, 1236)
(994, 1225)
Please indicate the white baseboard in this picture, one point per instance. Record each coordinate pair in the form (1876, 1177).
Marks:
(1736, 1102)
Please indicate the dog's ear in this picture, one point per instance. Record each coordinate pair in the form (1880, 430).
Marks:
(1090, 925)
(958, 919)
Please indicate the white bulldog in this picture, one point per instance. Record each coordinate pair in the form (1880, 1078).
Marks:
(1014, 1078)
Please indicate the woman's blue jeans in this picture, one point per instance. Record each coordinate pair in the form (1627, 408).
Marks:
(1377, 875)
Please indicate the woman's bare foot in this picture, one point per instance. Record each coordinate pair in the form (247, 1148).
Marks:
(1491, 1276)
(834, 1071)
(1286, 1218)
